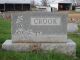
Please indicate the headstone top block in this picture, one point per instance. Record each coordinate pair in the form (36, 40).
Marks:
(26, 25)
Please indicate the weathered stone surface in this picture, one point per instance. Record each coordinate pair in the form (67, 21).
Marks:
(45, 39)
(68, 48)
(39, 27)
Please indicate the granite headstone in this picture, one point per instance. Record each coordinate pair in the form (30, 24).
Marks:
(32, 31)
(39, 27)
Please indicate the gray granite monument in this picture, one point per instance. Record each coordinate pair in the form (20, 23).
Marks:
(40, 30)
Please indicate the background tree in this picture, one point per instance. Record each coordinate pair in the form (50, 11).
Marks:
(33, 3)
(44, 2)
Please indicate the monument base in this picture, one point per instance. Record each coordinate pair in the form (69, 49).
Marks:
(68, 48)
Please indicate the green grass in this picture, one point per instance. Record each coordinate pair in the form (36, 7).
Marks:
(5, 33)
(5, 55)
(76, 38)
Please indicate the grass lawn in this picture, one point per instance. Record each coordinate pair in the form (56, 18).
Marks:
(5, 33)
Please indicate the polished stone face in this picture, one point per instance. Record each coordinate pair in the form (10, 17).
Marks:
(27, 25)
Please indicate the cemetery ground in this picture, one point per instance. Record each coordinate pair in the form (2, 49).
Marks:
(5, 33)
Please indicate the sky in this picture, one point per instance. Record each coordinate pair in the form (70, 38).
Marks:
(29, 1)
(49, 1)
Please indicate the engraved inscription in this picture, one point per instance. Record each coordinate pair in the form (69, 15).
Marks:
(45, 21)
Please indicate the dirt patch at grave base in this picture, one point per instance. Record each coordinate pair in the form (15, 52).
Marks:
(74, 17)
